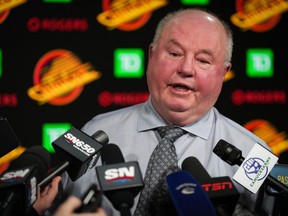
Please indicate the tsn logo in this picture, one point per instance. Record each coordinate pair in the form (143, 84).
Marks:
(122, 173)
(217, 186)
(70, 138)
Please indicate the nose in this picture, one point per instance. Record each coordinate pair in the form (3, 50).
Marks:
(186, 67)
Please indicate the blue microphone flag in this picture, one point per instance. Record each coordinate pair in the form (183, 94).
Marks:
(188, 196)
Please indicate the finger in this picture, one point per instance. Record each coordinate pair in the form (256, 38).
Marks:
(56, 180)
(101, 212)
(53, 189)
(44, 191)
(70, 205)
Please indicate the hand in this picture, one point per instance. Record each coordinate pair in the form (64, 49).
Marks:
(67, 208)
(47, 196)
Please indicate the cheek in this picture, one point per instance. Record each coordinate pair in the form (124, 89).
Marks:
(158, 74)
(210, 83)
(155, 80)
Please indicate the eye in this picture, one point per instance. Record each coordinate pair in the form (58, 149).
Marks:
(204, 61)
(205, 58)
(174, 54)
(204, 64)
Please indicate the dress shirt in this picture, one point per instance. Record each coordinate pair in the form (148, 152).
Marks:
(131, 128)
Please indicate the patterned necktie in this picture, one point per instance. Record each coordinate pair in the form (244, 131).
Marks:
(163, 161)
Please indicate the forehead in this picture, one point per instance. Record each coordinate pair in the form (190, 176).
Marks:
(196, 29)
(196, 21)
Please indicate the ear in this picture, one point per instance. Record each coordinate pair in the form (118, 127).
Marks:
(151, 49)
(227, 68)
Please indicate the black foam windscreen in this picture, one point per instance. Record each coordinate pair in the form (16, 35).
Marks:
(228, 152)
(111, 154)
(35, 155)
(193, 165)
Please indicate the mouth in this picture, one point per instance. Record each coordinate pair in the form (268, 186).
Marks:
(181, 87)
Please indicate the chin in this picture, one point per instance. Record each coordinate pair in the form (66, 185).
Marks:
(178, 108)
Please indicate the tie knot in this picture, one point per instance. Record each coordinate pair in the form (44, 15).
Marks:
(170, 132)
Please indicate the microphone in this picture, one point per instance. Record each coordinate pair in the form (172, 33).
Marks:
(120, 181)
(232, 155)
(188, 196)
(18, 185)
(78, 152)
(221, 190)
(280, 172)
(9, 140)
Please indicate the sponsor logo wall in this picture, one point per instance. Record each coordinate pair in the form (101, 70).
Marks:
(64, 61)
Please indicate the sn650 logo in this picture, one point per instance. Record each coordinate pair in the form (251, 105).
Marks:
(70, 138)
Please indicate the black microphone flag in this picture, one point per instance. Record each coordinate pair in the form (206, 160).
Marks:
(18, 185)
(120, 181)
(77, 151)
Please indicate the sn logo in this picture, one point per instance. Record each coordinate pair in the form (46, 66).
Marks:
(121, 173)
(15, 174)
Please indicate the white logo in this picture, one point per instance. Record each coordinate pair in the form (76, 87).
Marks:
(15, 174)
(120, 174)
(33, 183)
(70, 138)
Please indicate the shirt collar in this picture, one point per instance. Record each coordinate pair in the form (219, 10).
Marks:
(150, 119)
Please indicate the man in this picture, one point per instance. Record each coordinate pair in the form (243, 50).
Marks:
(188, 59)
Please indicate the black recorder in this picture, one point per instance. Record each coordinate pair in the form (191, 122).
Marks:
(91, 200)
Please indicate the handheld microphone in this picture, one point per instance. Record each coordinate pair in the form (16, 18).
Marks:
(232, 155)
(120, 181)
(188, 196)
(221, 190)
(78, 152)
(18, 185)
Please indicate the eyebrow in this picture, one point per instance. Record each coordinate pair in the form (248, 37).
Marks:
(205, 51)
(174, 42)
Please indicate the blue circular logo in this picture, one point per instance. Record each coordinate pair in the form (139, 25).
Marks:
(254, 168)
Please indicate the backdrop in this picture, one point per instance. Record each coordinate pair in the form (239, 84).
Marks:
(64, 61)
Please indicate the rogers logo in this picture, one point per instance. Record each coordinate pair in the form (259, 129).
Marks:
(80, 145)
